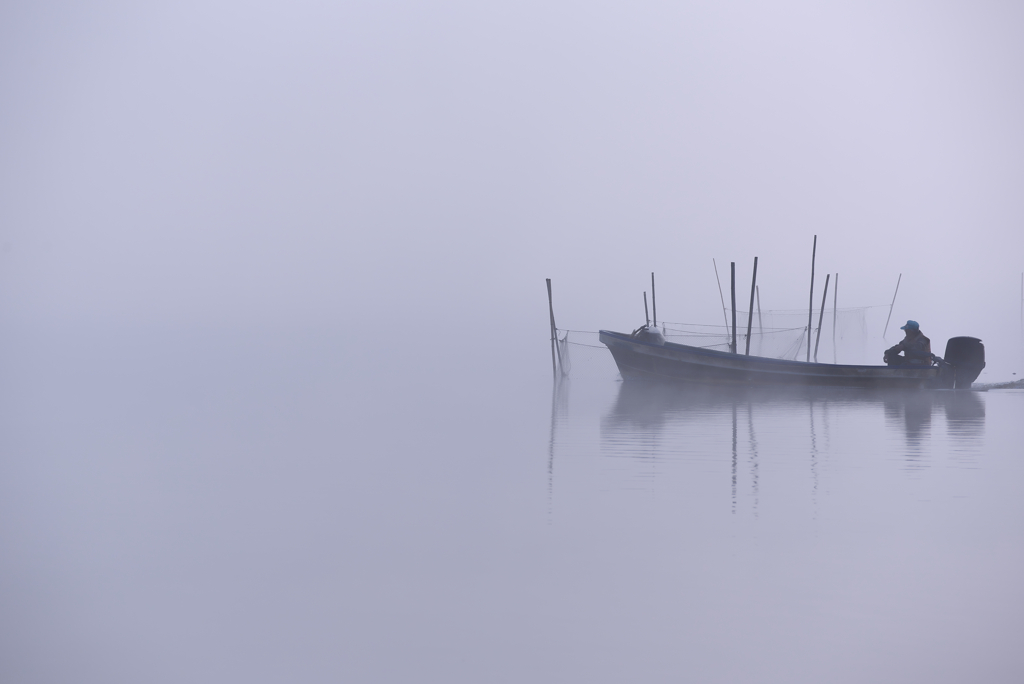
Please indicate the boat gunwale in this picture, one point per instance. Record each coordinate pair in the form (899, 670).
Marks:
(746, 360)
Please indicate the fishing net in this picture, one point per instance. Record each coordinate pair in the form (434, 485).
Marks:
(778, 334)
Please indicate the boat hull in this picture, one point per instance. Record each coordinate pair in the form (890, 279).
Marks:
(637, 357)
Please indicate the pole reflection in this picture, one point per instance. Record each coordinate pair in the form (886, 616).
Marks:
(559, 409)
(652, 421)
(754, 465)
(792, 430)
(735, 457)
(650, 407)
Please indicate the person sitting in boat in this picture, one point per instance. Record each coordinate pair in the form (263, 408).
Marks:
(916, 348)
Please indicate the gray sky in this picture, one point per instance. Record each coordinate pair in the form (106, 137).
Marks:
(275, 397)
(243, 164)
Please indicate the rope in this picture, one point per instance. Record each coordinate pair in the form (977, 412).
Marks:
(690, 333)
(592, 346)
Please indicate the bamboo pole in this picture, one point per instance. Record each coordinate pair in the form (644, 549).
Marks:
(884, 330)
(821, 316)
(760, 323)
(654, 301)
(810, 305)
(721, 298)
(835, 313)
(551, 315)
(750, 313)
(733, 280)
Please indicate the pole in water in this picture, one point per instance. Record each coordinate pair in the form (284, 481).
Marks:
(720, 296)
(654, 301)
(821, 316)
(733, 265)
(750, 313)
(760, 323)
(810, 305)
(892, 305)
(647, 316)
(835, 312)
(551, 314)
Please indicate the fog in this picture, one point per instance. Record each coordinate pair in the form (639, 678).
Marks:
(321, 229)
(244, 165)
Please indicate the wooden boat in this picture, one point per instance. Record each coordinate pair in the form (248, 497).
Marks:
(645, 353)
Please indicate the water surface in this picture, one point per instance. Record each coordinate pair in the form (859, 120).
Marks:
(263, 509)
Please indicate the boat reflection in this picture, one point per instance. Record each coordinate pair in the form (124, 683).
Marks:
(964, 413)
(655, 408)
(793, 440)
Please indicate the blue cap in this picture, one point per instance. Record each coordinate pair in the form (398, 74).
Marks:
(911, 325)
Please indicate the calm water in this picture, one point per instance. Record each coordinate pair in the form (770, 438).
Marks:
(203, 511)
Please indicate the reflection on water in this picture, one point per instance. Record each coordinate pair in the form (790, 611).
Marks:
(289, 524)
(913, 413)
(965, 415)
(805, 429)
(645, 407)
(652, 406)
(869, 517)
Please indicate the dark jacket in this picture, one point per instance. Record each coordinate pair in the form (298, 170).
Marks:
(915, 347)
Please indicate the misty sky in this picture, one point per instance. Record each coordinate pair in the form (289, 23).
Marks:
(275, 384)
(291, 164)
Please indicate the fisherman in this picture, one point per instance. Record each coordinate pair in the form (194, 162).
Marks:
(916, 348)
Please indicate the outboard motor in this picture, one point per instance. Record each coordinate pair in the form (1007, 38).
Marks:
(967, 356)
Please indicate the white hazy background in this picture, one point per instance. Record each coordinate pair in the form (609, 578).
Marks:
(253, 258)
(248, 166)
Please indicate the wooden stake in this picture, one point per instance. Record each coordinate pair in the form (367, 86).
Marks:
(835, 312)
(760, 323)
(750, 314)
(654, 301)
(551, 314)
(892, 305)
(821, 316)
(810, 305)
(733, 266)
(718, 280)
